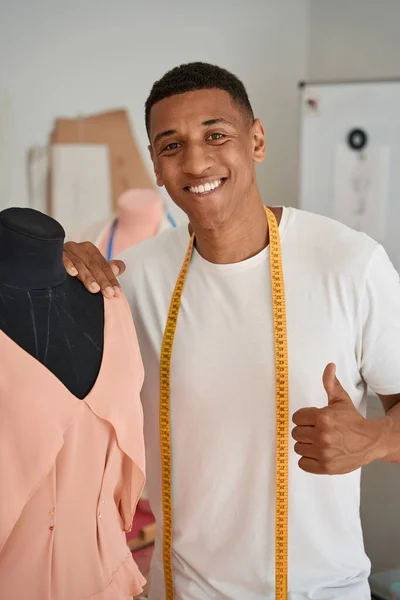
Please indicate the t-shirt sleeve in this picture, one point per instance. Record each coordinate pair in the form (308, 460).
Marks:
(126, 280)
(379, 326)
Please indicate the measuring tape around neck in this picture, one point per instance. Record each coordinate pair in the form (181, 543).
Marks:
(282, 413)
(110, 244)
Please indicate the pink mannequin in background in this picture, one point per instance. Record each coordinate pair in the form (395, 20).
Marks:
(139, 215)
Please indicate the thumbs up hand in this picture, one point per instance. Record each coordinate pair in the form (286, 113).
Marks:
(335, 439)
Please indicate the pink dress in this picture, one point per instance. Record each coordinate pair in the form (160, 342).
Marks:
(71, 473)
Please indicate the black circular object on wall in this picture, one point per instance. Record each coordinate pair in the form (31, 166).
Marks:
(357, 139)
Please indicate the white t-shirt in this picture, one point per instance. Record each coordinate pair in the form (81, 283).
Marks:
(343, 306)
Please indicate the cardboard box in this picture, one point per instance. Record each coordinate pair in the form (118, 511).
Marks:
(113, 129)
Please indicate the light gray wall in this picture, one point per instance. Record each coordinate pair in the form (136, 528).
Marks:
(354, 39)
(360, 39)
(64, 58)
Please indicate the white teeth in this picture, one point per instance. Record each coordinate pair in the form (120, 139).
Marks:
(207, 187)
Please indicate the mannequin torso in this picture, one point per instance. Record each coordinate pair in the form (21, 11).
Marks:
(47, 313)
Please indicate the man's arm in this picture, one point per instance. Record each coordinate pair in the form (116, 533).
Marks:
(85, 261)
(391, 428)
(337, 439)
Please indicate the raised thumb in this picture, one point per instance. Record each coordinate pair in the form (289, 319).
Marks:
(332, 385)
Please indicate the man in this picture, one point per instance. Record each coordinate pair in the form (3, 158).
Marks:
(343, 307)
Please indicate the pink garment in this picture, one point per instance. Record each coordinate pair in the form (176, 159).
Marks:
(71, 473)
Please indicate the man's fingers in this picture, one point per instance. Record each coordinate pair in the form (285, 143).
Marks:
(307, 450)
(305, 416)
(118, 267)
(69, 258)
(310, 465)
(69, 265)
(330, 381)
(333, 387)
(85, 276)
(103, 274)
(306, 435)
(96, 274)
(86, 262)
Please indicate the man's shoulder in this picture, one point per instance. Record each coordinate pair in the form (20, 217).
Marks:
(159, 251)
(330, 239)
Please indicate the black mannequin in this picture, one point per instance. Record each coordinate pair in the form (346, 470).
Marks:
(45, 311)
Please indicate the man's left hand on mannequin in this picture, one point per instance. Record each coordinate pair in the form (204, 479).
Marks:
(336, 439)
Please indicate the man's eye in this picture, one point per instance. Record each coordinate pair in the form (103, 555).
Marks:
(172, 146)
(216, 136)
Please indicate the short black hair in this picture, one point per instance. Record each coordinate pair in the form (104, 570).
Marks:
(195, 76)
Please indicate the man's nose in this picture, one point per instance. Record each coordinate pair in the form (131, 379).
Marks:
(197, 158)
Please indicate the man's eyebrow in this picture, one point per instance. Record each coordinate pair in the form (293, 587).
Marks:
(217, 121)
(163, 134)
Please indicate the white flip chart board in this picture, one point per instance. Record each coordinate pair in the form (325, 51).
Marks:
(350, 156)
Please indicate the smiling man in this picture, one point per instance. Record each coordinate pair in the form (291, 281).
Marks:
(343, 307)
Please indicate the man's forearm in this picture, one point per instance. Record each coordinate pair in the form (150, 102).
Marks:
(390, 425)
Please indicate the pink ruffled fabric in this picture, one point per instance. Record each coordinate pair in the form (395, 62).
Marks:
(73, 471)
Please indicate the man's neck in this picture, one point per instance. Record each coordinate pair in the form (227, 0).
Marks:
(238, 240)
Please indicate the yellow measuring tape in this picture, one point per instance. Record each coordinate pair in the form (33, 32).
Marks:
(282, 413)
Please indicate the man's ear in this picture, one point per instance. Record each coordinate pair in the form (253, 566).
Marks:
(259, 141)
(156, 171)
